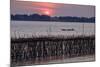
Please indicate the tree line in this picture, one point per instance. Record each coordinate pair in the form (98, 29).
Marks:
(37, 17)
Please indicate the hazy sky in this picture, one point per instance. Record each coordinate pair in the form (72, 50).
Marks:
(52, 9)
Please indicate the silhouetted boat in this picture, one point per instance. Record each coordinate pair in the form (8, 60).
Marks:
(68, 29)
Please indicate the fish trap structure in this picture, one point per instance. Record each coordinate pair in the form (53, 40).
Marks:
(27, 51)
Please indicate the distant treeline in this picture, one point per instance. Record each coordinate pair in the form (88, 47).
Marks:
(37, 17)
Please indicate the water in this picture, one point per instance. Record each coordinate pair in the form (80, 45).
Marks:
(36, 28)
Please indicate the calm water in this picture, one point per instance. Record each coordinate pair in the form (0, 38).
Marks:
(36, 28)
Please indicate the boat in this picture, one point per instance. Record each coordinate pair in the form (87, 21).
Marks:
(72, 29)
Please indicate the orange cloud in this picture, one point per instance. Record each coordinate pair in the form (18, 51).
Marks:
(46, 11)
(44, 7)
(45, 4)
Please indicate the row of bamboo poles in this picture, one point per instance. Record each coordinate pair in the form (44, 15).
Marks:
(44, 50)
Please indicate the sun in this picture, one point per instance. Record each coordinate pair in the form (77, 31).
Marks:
(46, 12)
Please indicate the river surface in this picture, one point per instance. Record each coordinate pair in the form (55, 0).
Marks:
(36, 28)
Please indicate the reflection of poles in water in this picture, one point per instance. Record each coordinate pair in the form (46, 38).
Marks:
(83, 29)
(15, 34)
(49, 31)
(94, 29)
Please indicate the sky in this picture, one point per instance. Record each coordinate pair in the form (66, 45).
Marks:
(52, 9)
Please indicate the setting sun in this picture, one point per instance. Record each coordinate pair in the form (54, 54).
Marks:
(47, 12)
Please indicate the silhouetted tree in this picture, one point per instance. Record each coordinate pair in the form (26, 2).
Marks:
(37, 17)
